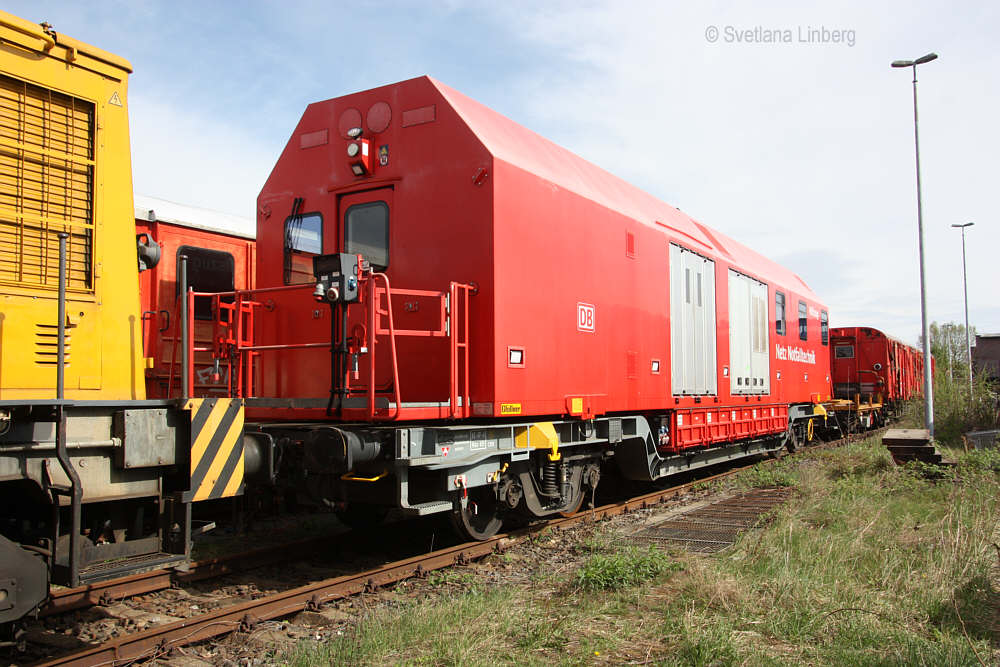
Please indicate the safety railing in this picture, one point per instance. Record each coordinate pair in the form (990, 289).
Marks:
(235, 351)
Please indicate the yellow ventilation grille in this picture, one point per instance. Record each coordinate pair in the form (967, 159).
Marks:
(47, 343)
(46, 186)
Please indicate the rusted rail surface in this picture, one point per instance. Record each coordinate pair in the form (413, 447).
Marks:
(244, 616)
(62, 600)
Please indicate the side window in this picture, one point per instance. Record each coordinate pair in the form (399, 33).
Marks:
(303, 239)
(779, 313)
(366, 233)
(843, 351)
(824, 327)
(803, 321)
(207, 271)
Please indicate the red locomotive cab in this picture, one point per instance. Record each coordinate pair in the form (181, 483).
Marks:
(220, 251)
(868, 366)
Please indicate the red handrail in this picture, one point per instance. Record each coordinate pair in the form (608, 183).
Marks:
(233, 339)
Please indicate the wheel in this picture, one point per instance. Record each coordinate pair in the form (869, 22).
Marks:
(361, 515)
(574, 506)
(791, 440)
(480, 520)
(588, 479)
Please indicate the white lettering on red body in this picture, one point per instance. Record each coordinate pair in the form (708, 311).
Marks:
(796, 354)
(586, 317)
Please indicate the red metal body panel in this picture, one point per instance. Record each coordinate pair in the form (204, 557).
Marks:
(158, 294)
(866, 362)
(476, 198)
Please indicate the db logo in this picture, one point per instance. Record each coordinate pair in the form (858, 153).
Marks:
(586, 315)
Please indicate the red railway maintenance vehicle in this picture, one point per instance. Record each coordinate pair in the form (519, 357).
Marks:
(221, 257)
(873, 374)
(453, 314)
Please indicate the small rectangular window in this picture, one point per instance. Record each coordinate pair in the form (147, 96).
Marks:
(779, 313)
(699, 290)
(803, 321)
(303, 240)
(366, 232)
(843, 351)
(824, 328)
(687, 285)
(207, 271)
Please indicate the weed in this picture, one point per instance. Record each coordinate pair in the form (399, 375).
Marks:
(930, 471)
(981, 460)
(767, 476)
(622, 569)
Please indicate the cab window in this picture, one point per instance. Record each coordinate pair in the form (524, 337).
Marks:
(207, 271)
(779, 313)
(303, 240)
(366, 233)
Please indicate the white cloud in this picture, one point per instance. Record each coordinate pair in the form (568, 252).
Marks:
(802, 151)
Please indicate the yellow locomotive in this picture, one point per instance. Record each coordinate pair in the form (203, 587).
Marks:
(65, 167)
(95, 480)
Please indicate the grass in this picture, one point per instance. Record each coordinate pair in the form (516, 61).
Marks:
(623, 568)
(868, 564)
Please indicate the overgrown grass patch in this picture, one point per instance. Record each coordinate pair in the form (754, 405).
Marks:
(862, 568)
(768, 474)
(623, 568)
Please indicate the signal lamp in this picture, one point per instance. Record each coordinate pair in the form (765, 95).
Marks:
(360, 156)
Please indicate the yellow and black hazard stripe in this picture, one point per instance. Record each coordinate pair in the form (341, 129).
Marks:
(216, 448)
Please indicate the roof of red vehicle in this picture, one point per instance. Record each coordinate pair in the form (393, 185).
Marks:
(835, 331)
(520, 147)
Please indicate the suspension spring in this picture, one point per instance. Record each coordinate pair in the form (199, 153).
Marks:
(550, 479)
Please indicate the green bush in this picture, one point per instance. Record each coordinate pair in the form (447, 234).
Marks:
(955, 414)
(767, 475)
(983, 460)
(624, 568)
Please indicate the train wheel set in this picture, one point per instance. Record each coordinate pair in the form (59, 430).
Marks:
(440, 312)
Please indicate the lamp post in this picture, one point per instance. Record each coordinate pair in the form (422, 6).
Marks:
(928, 385)
(965, 288)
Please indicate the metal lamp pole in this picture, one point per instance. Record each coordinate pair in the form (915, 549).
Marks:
(965, 288)
(928, 383)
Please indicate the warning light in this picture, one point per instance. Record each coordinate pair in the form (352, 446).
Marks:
(360, 156)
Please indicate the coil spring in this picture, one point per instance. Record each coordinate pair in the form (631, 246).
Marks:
(550, 478)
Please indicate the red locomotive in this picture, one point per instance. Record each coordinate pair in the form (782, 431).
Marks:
(454, 314)
(869, 367)
(221, 254)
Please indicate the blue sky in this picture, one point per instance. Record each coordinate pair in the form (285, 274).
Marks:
(802, 150)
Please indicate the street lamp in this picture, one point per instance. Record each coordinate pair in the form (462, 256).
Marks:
(965, 288)
(928, 386)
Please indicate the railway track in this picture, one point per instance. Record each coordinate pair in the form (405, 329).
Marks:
(244, 616)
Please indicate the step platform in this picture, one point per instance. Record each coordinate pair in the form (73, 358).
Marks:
(911, 444)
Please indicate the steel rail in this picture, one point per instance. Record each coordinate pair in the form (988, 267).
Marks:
(245, 616)
(62, 600)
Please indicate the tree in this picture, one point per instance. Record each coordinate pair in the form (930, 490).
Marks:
(948, 348)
